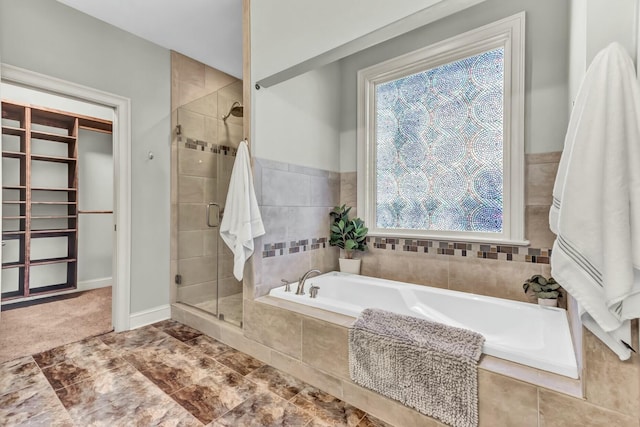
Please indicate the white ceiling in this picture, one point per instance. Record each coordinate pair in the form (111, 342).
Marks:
(209, 31)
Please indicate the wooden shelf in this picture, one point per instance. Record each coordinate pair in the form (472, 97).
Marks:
(13, 217)
(13, 111)
(51, 261)
(13, 154)
(13, 202)
(12, 264)
(52, 118)
(52, 288)
(53, 203)
(41, 158)
(14, 187)
(53, 216)
(13, 235)
(52, 189)
(53, 233)
(10, 130)
(53, 137)
(95, 212)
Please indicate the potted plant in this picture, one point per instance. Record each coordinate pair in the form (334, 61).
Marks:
(349, 235)
(547, 290)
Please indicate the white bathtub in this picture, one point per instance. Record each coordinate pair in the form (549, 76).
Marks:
(524, 333)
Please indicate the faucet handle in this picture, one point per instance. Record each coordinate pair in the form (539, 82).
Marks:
(287, 287)
(313, 291)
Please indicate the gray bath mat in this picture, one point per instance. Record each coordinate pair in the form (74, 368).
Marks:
(425, 365)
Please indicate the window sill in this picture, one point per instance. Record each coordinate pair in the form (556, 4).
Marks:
(448, 238)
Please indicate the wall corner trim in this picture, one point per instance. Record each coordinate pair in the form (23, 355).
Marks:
(147, 317)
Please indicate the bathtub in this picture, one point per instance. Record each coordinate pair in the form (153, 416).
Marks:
(524, 333)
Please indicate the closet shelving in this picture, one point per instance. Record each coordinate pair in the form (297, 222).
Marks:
(44, 125)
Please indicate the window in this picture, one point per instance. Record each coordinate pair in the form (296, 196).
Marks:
(440, 137)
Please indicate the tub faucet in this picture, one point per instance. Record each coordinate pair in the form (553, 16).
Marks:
(305, 276)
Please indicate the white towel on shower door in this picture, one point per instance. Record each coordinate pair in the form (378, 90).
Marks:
(596, 201)
(242, 221)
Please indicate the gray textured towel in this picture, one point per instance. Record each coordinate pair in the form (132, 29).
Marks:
(425, 365)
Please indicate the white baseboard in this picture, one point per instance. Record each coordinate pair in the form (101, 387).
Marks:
(147, 317)
(94, 284)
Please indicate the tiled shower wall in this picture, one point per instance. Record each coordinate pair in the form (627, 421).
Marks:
(295, 202)
(202, 159)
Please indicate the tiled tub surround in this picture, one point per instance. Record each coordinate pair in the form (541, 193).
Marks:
(295, 202)
(164, 374)
(203, 153)
(312, 345)
(535, 336)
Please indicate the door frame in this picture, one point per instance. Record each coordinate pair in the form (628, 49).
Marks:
(120, 303)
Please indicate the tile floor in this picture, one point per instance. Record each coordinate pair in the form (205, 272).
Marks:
(165, 374)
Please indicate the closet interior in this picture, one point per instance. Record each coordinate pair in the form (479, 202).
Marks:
(40, 207)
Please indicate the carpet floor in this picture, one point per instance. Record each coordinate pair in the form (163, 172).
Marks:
(36, 328)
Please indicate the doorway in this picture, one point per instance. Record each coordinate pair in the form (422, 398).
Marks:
(119, 110)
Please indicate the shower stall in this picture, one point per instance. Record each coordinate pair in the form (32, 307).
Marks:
(208, 132)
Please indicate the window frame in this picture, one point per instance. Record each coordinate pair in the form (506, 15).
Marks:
(507, 33)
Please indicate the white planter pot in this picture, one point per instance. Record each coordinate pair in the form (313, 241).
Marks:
(350, 265)
(548, 302)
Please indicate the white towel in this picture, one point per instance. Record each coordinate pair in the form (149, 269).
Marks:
(596, 201)
(241, 222)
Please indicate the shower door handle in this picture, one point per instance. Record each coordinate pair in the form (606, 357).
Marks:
(209, 214)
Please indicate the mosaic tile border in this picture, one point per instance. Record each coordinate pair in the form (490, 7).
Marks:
(463, 249)
(294, 247)
(460, 249)
(196, 144)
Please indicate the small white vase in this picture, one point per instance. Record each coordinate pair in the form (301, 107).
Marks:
(350, 265)
(548, 302)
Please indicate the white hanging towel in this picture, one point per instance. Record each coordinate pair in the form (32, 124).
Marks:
(241, 222)
(596, 201)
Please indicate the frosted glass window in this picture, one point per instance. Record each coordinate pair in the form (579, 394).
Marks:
(439, 147)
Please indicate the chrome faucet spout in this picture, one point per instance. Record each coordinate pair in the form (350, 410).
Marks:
(305, 276)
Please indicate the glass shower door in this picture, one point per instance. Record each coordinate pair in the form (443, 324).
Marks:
(206, 152)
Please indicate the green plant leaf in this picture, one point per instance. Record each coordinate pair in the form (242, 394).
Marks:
(548, 295)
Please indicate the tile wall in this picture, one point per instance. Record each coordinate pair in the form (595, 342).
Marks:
(295, 202)
(202, 158)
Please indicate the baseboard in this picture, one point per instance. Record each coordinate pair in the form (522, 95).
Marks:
(94, 284)
(147, 317)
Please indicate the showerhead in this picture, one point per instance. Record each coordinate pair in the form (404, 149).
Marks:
(236, 110)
